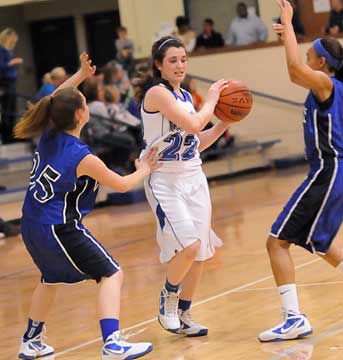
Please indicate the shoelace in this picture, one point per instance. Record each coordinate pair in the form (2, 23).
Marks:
(122, 336)
(171, 303)
(41, 337)
(188, 318)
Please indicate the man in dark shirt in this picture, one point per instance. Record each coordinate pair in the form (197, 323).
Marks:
(209, 38)
(336, 18)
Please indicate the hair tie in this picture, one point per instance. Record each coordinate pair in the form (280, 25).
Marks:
(322, 52)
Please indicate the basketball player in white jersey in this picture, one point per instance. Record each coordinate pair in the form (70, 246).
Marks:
(178, 192)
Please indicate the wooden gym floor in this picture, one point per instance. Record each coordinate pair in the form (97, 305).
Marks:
(236, 299)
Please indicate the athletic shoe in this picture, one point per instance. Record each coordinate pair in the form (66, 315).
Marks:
(188, 326)
(34, 348)
(168, 317)
(294, 326)
(117, 348)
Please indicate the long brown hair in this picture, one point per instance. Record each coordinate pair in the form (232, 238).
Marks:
(56, 112)
(158, 52)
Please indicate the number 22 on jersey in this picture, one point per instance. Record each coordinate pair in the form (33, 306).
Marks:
(172, 152)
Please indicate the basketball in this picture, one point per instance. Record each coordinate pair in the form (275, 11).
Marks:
(234, 102)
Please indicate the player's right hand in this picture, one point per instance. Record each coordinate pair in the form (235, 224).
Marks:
(215, 90)
(149, 162)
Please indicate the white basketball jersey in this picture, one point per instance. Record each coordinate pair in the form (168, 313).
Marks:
(177, 148)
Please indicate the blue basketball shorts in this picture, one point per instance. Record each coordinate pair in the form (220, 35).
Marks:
(314, 213)
(66, 253)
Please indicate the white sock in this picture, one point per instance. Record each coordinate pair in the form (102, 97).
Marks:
(289, 297)
(340, 266)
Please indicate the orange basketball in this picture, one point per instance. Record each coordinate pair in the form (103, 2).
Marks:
(234, 103)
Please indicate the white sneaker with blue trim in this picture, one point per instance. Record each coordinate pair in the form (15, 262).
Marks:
(189, 327)
(294, 326)
(168, 316)
(116, 348)
(35, 347)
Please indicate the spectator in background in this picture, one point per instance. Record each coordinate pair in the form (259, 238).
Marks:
(209, 38)
(102, 131)
(53, 80)
(116, 76)
(296, 22)
(335, 25)
(246, 28)
(184, 33)
(125, 49)
(8, 78)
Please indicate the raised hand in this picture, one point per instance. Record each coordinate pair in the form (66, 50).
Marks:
(286, 11)
(86, 68)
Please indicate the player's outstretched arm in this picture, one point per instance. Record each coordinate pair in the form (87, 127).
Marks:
(160, 99)
(95, 168)
(86, 70)
(299, 73)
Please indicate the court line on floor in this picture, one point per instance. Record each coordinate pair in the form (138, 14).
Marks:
(310, 341)
(298, 286)
(225, 293)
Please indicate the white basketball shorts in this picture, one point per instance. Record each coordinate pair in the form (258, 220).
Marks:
(182, 206)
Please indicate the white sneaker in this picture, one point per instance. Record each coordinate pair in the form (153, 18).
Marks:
(190, 327)
(117, 348)
(168, 317)
(34, 348)
(294, 326)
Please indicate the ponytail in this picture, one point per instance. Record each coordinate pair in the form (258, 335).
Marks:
(35, 120)
(56, 112)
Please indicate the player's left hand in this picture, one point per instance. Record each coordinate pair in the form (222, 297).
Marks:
(86, 68)
(286, 13)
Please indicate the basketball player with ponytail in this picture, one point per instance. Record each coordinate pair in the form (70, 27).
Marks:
(178, 192)
(62, 190)
(314, 213)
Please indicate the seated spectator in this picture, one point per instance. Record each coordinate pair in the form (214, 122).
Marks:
(102, 131)
(296, 22)
(125, 49)
(116, 76)
(335, 25)
(245, 28)
(184, 33)
(52, 81)
(209, 37)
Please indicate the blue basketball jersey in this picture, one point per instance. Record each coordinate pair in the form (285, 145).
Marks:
(55, 195)
(323, 127)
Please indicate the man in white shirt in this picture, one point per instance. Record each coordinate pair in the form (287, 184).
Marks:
(245, 28)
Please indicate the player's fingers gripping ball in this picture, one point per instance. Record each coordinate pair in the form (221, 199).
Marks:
(235, 102)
